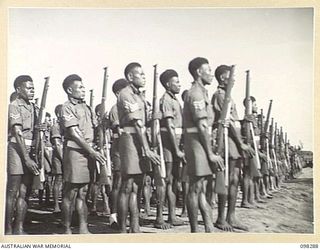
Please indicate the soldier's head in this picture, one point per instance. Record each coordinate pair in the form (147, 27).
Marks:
(170, 81)
(118, 85)
(24, 87)
(57, 111)
(222, 74)
(74, 87)
(184, 95)
(98, 109)
(13, 96)
(200, 69)
(254, 106)
(47, 118)
(135, 75)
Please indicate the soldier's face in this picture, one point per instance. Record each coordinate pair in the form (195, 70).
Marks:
(77, 90)
(254, 107)
(137, 77)
(26, 90)
(206, 74)
(224, 77)
(174, 85)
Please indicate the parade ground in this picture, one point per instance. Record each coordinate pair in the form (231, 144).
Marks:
(290, 211)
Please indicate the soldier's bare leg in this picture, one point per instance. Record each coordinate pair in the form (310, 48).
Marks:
(82, 209)
(94, 192)
(221, 222)
(161, 195)
(233, 191)
(69, 195)
(193, 202)
(114, 198)
(57, 186)
(172, 219)
(185, 189)
(48, 188)
(25, 186)
(133, 205)
(257, 190)
(147, 192)
(105, 191)
(246, 188)
(205, 209)
(13, 185)
(123, 202)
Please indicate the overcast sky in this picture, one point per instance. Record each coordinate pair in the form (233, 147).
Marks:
(276, 45)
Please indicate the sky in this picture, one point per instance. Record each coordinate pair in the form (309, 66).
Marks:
(276, 45)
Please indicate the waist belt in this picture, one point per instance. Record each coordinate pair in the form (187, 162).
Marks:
(28, 142)
(178, 131)
(195, 130)
(73, 144)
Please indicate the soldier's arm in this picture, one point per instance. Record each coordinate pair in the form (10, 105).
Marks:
(141, 132)
(206, 143)
(76, 136)
(172, 135)
(57, 144)
(31, 165)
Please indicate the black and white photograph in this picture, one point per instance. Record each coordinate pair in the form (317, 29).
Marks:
(159, 120)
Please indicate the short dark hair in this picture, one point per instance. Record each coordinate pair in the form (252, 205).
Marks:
(69, 80)
(167, 75)
(57, 109)
(21, 79)
(98, 108)
(251, 98)
(221, 70)
(13, 96)
(130, 67)
(48, 114)
(119, 84)
(195, 64)
(184, 94)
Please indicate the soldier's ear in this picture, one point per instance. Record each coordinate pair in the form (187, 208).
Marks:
(69, 90)
(130, 76)
(199, 72)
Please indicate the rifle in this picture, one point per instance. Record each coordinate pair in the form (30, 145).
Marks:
(156, 141)
(103, 143)
(249, 126)
(39, 137)
(264, 136)
(274, 144)
(91, 98)
(222, 179)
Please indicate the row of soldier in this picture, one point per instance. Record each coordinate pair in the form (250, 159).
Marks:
(203, 146)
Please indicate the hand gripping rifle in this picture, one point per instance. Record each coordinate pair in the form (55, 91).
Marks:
(249, 125)
(103, 142)
(39, 136)
(222, 179)
(156, 142)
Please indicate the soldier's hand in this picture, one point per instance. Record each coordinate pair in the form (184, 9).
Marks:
(32, 166)
(217, 159)
(153, 157)
(98, 157)
(157, 116)
(181, 155)
(249, 150)
(249, 118)
(42, 127)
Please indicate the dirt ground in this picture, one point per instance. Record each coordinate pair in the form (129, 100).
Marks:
(290, 211)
